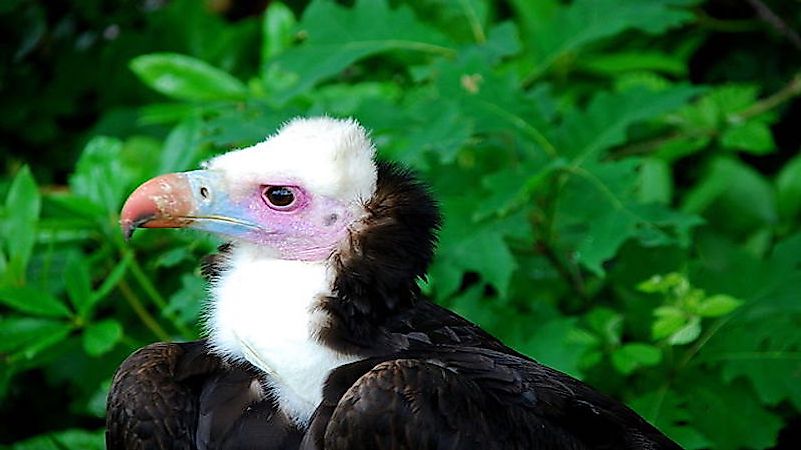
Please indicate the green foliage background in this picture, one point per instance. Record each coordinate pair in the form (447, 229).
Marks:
(621, 182)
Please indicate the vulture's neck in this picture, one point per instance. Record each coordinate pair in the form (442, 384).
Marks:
(266, 311)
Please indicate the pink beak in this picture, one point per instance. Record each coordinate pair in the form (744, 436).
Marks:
(166, 201)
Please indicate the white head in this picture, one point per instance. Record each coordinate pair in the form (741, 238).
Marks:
(296, 194)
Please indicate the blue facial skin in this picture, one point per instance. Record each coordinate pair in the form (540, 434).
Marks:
(215, 212)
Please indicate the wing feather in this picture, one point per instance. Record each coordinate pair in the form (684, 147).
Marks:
(149, 406)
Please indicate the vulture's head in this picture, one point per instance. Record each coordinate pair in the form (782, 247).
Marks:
(312, 192)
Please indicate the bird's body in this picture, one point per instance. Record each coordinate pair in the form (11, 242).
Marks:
(318, 335)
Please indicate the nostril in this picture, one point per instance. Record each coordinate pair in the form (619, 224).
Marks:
(204, 192)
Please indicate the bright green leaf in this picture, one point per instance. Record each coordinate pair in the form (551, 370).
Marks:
(616, 63)
(111, 280)
(99, 175)
(605, 236)
(743, 196)
(686, 334)
(338, 37)
(100, 337)
(79, 285)
(656, 181)
(586, 134)
(669, 321)
(751, 137)
(788, 187)
(586, 21)
(717, 305)
(64, 440)
(559, 343)
(18, 332)
(276, 30)
(607, 323)
(182, 146)
(630, 357)
(30, 300)
(18, 227)
(185, 78)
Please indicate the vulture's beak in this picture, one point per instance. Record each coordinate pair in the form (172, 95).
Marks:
(196, 199)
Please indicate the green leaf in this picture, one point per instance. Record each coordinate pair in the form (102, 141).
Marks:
(616, 63)
(749, 425)
(182, 146)
(185, 78)
(111, 280)
(766, 351)
(607, 323)
(586, 134)
(788, 188)
(64, 440)
(605, 236)
(100, 337)
(630, 357)
(717, 305)
(656, 181)
(336, 37)
(468, 245)
(559, 343)
(664, 283)
(739, 197)
(597, 212)
(18, 225)
(186, 302)
(669, 321)
(686, 334)
(276, 29)
(751, 137)
(586, 21)
(30, 335)
(30, 300)
(666, 409)
(79, 285)
(166, 113)
(100, 176)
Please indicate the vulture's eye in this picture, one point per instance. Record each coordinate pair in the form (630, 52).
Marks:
(278, 197)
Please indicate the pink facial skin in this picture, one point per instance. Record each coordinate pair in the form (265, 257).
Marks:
(309, 229)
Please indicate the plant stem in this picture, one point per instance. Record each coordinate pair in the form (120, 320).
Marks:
(773, 19)
(158, 300)
(572, 276)
(790, 90)
(725, 26)
(147, 319)
(473, 20)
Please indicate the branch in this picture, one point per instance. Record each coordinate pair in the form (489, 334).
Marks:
(157, 299)
(790, 90)
(771, 18)
(147, 319)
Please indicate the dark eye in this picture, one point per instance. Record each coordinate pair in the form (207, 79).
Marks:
(280, 196)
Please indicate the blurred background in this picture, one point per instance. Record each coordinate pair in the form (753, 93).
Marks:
(621, 181)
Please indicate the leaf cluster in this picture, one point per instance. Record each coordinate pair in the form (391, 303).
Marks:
(606, 212)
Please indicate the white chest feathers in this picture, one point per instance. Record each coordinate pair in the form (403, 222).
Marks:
(262, 311)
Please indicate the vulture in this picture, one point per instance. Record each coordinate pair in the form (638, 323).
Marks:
(317, 335)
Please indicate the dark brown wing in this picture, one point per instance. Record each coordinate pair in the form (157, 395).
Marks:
(181, 397)
(554, 408)
(424, 404)
(409, 404)
(150, 406)
(457, 398)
